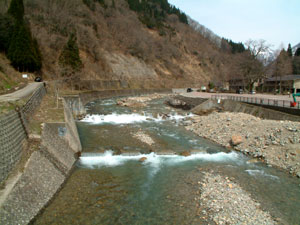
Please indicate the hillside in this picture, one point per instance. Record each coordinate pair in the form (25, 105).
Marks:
(121, 43)
(10, 79)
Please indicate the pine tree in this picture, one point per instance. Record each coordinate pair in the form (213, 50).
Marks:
(70, 54)
(6, 31)
(289, 50)
(296, 62)
(23, 51)
(297, 53)
(16, 9)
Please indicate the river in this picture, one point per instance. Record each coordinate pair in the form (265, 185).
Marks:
(110, 185)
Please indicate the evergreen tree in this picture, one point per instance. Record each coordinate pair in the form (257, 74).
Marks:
(6, 31)
(23, 51)
(153, 12)
(289, 50)
(297, 53)
(296, 62)
(70, 54)
(235, 47)
(16, 9)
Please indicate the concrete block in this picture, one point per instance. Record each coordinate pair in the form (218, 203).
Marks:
(36, 187)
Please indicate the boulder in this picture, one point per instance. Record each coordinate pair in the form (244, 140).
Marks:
(236, 140)
(143, 159)
(185, 153)
(176, 103)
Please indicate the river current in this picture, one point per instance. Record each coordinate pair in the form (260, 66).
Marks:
(110, 185)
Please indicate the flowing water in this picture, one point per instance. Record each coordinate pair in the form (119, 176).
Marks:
(111, 186)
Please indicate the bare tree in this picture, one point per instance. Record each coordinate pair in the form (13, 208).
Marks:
(258, 48)
(253, 61)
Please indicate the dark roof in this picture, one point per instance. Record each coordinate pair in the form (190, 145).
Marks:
(284, 78)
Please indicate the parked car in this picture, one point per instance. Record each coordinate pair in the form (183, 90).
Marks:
(189, 90)
(38, 79)
(252, 92)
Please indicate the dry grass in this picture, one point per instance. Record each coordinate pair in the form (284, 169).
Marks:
(10, 79)
(50, 110)
(5, 107)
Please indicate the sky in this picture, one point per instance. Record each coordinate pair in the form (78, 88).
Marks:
(276, 21)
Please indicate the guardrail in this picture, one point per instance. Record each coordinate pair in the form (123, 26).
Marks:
(259, 101)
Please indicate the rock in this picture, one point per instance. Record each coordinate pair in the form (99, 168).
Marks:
(176, 103)
(143, 159)
(252, 161)
(236, 140)
(185, 153)
(187, 123)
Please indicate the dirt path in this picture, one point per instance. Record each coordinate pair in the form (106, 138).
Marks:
(22, 93)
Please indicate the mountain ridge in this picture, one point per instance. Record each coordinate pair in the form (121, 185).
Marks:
(114, 44)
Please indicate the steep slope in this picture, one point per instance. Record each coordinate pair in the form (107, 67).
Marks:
(115, 45)
(10, 79)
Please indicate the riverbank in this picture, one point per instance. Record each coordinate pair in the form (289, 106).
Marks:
(274, 142)
(225, 202)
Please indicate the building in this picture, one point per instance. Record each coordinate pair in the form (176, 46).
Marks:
(289, 83)
(236, 84)
(240, 83)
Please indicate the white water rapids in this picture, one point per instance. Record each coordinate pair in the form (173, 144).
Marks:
(109, 160)
(115, 118)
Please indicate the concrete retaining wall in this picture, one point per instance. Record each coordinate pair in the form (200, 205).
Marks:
(45, 172)
(133, 84)
(13, 132)
(233, 106)
(12, 137)
(264, 113)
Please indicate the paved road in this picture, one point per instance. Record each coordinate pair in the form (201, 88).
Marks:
(22, 93)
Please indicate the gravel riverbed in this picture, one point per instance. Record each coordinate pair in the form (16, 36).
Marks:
(227, 203)
(275, 142)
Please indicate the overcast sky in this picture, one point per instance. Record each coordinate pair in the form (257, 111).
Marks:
(276, 21)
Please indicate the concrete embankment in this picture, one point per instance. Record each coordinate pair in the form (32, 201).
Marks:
(233, 106)
(44, 173)
(49, 167)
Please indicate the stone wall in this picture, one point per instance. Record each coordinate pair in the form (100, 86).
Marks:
(13, 132)
(12, 136)
(45, 172)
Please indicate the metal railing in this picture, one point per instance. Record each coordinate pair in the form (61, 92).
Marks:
(259, 101)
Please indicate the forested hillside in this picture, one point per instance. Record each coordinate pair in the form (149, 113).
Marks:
(137, 41)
